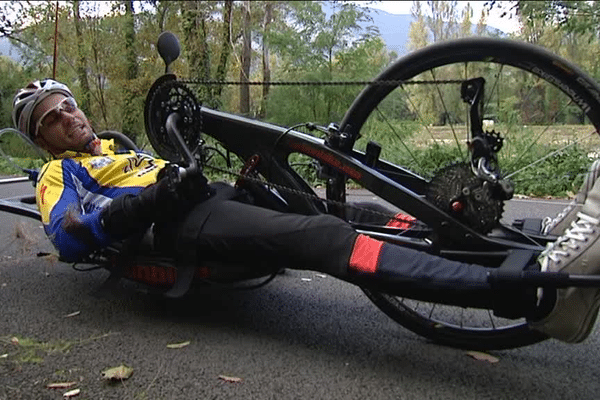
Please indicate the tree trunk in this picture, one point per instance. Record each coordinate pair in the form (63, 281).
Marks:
(132, 67)
(225, 47)
(245, 59)
(84, 98)
(130, 111)
(265, 58)
(162, 9)
(194, 29)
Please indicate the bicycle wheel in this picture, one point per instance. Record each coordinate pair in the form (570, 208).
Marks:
(545, 114)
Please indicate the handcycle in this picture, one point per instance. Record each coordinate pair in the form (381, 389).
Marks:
(457, 207)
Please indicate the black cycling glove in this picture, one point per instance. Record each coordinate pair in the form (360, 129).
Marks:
(169, 197)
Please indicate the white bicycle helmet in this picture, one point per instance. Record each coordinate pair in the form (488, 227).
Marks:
(29, 97)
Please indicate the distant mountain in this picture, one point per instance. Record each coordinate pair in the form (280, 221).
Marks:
(7, 49)
(393, 29)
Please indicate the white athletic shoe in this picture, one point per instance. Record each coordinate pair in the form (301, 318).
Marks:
(577, 251)
(557, 225)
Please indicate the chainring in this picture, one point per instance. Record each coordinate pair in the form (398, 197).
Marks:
(166, 96)
(456, 190)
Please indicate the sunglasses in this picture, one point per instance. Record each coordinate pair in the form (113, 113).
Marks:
(50, 117)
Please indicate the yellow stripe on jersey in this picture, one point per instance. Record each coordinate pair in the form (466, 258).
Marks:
(49, 188)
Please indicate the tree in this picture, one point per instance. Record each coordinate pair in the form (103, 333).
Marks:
(246, 60)
(465, 25)
(482, 22)
(418, 36)
(131, 107)
(297, 41)
(442, 21)
(13, 76)
(579, 17)
(225, 48)
(316, 47)
(266, 62)
(84, 100)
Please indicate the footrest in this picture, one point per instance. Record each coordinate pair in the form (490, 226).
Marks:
(531, 226)
(543, 279)
(514, 273)
(508, 302)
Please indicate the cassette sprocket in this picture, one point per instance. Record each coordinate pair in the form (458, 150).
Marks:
(456, 190)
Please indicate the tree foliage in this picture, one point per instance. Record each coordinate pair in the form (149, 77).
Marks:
(107, 51)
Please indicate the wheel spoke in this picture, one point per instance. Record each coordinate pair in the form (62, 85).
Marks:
(431, 311)
(387, 121)
(447, 112)
(491, 319)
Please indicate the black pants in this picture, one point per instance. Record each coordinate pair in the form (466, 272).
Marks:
(227, 228)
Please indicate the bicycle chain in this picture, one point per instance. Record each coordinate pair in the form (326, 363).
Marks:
(390, 82)
(313, 83)
(296, 192)
(300, 193)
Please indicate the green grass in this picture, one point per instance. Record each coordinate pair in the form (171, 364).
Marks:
(6, 168)
(21, 350)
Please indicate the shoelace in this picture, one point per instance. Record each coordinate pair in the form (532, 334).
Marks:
(548, 223)
(594, 172)
(577, 233)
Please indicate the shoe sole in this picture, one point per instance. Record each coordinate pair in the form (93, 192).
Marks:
(588, 322)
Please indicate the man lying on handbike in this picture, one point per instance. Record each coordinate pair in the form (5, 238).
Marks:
(90, 196)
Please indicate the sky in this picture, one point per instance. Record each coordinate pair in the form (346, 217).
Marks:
(403, 7)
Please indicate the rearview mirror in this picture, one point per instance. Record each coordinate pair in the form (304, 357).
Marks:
(168, 48)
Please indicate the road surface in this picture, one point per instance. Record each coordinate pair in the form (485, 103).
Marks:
(303, 336)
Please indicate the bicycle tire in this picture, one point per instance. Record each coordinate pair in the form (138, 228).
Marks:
(578, 90)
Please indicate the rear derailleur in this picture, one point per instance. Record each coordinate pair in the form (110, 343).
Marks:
(474, 192)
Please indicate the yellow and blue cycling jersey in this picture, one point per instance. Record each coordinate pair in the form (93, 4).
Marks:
(89, 183)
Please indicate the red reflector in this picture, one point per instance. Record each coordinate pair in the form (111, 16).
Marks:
(365, 254)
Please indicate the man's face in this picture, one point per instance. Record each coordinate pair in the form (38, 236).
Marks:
(61, 128)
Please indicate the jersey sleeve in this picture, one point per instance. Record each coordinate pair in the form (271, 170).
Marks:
(59, 201)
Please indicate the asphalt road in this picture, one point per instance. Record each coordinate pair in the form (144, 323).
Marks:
(303, 336)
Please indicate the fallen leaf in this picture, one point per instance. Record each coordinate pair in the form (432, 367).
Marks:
(4, 355)
(119, 373)
(14, 340)
(71, 393)
(482, 356)
(50, 257)
(61, 385)
(23, 231)
(321, 275)
(178, 345)
(73, 314)
(230, 378)
(306, 279)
